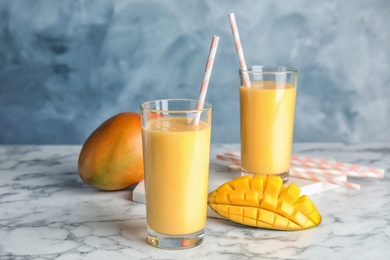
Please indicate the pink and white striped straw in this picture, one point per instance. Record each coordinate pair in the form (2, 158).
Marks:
(299, 174)
(315, 177)
(361, 171)
(322, 166)
(206, 77)
(236, 161)
(333, 172)
(240, 52)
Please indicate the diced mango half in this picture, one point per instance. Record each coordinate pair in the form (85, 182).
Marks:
(264, 202)
(274, 185)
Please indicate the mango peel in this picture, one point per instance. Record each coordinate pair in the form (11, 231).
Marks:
(263, 201)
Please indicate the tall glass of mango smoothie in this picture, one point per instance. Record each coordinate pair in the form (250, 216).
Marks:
(176, 147)
(267, 104)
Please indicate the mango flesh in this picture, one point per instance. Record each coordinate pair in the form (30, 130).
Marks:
(111, 157)
(264, 202)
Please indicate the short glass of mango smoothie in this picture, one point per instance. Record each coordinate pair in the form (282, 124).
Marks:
(176, 147)
(267, 105)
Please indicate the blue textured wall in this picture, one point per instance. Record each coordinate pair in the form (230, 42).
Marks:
(66, 66)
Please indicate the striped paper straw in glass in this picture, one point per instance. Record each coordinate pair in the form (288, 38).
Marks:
(206, 77)
(240, 52)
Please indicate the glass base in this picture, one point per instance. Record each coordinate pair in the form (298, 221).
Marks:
(175, 242)
(284, 175)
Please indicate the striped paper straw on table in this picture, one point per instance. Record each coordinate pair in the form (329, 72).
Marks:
(332, 171)
(322, 178)
(350, 169)
(296, 173)
(323, 166)
(237, 162)
(206, 77)
(239, 49)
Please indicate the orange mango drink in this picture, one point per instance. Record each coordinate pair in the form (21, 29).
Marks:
(176, 165)
(267, 120)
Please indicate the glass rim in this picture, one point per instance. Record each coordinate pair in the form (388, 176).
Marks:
(206, 106)
(274, 69)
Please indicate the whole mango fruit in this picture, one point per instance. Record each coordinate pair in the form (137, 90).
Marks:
(111, 157)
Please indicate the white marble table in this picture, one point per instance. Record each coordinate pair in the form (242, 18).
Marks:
(47, 212)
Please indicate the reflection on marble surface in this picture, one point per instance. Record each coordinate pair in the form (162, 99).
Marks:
(70, 65)
(47, 212)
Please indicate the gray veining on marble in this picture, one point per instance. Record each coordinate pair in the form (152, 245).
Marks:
(70, 65)
(46, 212)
